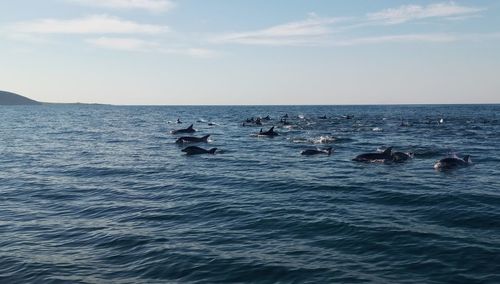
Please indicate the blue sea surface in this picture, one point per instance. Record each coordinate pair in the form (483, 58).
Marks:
(102, 194)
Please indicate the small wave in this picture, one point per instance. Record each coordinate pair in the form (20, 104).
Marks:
(324, 140)
(316, 140)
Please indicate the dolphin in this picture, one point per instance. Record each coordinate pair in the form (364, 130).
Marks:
(453, 162)
(192, 139)
(269, 133)
(185, 130)
(399, 157)
(193, 150)
(375, 157)
(284, 121)
(310, 152)
(322, 117)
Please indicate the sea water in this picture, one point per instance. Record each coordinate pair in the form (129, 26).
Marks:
(102, 194)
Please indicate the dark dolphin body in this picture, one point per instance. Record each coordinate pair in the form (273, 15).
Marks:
(185, 130)
(374, 157)
(193, 150)
(322, 117)
(452, 163)
(400, 157)
(192, 139)
(311, 152)
(270, 132)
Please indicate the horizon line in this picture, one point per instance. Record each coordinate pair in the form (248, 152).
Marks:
(361, 104)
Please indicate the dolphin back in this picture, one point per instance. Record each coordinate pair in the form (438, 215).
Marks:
(467, 159)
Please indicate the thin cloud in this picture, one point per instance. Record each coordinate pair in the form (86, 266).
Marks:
(141, 45)
(303, 32)
(156, 6)
(125, 44)
(431, 38)
(407, 13)
(94, 24)
(319, 31)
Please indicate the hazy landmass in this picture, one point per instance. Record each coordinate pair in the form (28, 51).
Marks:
(8, 98)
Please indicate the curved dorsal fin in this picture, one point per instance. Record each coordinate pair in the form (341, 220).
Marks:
(388, 151)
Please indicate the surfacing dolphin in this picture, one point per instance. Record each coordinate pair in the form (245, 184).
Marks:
(269, 133)
(375, 157)
(400, 157)
(184, 130)
(192, 139)
(310, 152)
(453, 162)
(194, 150)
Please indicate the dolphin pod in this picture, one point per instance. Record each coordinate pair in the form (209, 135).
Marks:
(387, 156)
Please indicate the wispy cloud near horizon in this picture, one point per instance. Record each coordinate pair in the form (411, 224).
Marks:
(402, 38)
(156, 6)
(143, 45)
(408, 13)
(93, 24)
(124, 44)
(305, 32)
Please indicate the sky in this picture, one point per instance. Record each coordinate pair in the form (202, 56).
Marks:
(251, 52)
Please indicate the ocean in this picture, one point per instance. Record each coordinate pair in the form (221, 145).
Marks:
(102, 194)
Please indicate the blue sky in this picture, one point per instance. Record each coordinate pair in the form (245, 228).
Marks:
(251, 52)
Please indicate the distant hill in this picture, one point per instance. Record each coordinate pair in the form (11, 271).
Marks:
(8, 98)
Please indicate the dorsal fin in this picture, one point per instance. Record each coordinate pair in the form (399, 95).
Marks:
(467, 158)
(272, 128)
(329, 150)
(190, 127)
(388, 151)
